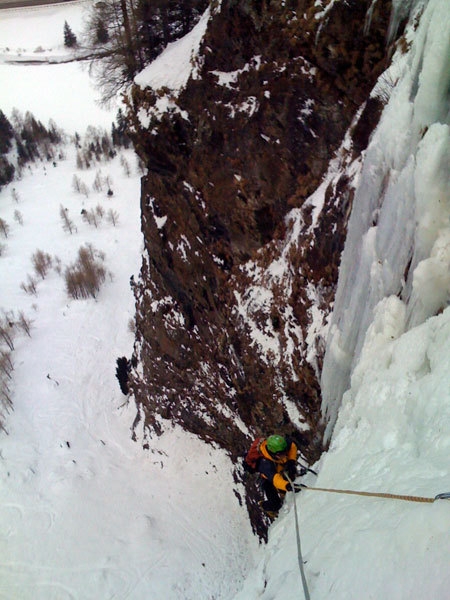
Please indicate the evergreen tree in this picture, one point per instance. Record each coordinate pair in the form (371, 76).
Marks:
(6, 134)
(6, 171)
(70, 39)
(119, 131)
(101, 32)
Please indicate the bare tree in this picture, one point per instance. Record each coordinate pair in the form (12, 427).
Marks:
(30, 286)
(6, 364)
(76, 184)
(18, 217)
(90, 217)
(4, 227)
(140, 166)
(68, 224)
(84, 189)
(116, 61)
(24, 323)
(42, 262)
(15, 195)
(85, 276)
(7, 330)
(98, 182)
(125, 165)
(112, 217)
(57, 265)
(100, 211)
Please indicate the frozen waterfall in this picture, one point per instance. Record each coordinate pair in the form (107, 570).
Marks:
(398, 239)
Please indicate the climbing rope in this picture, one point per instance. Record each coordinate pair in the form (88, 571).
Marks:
(443, 496)
(299, 547)
(379, 494)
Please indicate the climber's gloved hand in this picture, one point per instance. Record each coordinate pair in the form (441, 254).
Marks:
(297, 488)
(303, 471)
(291, 469)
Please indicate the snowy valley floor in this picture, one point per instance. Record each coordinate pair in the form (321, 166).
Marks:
(86, 512)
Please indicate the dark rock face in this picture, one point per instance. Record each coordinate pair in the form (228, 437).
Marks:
(235, 285)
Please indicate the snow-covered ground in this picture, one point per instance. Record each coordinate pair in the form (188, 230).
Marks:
(86, 514)
(62, 92)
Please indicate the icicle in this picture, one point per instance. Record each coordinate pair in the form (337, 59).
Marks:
(401, 10)
(369, 15)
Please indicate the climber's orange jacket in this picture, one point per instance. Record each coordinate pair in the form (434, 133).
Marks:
(271, 466)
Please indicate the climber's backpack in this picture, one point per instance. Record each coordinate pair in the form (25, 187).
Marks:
(253, 455)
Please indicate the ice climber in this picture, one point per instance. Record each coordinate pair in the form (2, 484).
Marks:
(273, 458)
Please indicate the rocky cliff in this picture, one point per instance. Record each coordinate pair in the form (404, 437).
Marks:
(244, 220)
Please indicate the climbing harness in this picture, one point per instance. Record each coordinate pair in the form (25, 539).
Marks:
(299, 547)
(444, 496)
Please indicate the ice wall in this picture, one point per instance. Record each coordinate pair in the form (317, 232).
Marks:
(398, 239)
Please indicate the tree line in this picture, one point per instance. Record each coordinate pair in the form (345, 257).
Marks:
(126, 35)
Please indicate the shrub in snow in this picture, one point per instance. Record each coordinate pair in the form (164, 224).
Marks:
(30, 286)
(18, 217)
(42, 262)
(85, 276)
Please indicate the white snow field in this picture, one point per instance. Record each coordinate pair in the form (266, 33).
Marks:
(87, 514)
(60, 91)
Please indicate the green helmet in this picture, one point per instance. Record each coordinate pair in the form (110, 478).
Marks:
(276, 443)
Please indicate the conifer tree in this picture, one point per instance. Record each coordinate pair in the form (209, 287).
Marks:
(6, 133)
(101, 32)
(70, 39)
